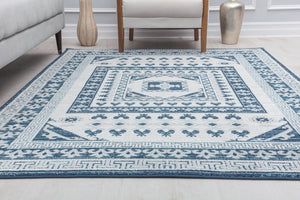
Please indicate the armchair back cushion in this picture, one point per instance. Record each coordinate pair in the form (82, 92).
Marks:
(162, 13)
(162, 8)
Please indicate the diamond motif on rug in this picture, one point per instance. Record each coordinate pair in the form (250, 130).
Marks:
(172, 113)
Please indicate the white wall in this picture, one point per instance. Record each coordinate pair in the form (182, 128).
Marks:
(262, 18)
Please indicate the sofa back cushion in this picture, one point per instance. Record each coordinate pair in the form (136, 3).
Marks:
(18, 15)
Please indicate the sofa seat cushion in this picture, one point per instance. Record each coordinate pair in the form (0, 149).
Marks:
(18, 15)
(163, 9)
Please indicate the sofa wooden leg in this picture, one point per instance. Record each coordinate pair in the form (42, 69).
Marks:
(131, 32)
(58, 42)
(196, 34)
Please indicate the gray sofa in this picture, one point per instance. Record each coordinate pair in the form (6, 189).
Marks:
(26, 23)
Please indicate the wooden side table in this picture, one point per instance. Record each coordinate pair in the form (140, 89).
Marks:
(87, 31)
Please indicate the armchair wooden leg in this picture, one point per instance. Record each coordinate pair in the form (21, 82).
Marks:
(204, 26)
(121, 40)
(203, 39)
(58, 38)
(120, 25)
(196, 34)
(131, 32)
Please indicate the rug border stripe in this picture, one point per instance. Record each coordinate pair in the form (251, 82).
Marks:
(152, 174)
(282, 65)
(31, 81)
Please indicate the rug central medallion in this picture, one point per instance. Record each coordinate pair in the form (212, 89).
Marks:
(165, 89)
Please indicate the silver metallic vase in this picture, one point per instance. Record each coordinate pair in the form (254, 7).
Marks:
(231, 18)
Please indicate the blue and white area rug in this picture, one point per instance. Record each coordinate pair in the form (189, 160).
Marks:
(227, 113)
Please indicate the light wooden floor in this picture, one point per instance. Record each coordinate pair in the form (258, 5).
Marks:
(14, 76)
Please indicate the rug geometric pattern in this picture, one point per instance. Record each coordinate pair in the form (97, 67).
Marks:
(227, 113)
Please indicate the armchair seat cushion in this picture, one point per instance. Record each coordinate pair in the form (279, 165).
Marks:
(18, 15)
(162, 8)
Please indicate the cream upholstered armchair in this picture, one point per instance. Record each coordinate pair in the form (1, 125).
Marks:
(182, 14)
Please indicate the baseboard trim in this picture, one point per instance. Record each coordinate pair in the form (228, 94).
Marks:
(262, 29)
